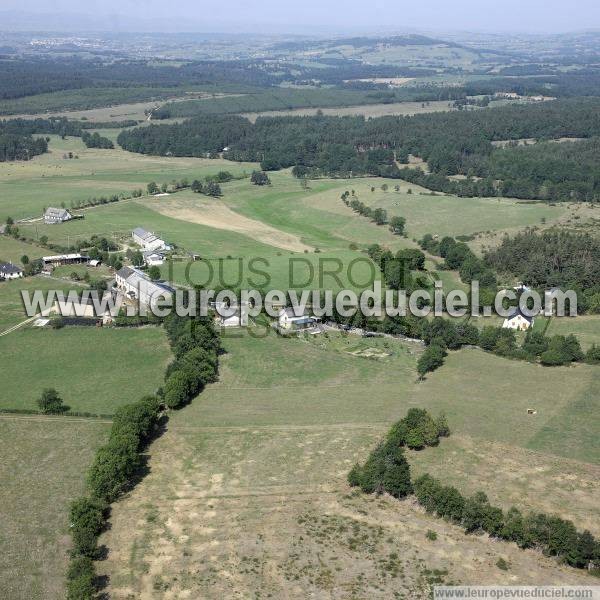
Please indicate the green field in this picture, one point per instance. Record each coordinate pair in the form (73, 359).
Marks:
(44, 461)
(585, 327)
(266, 450)
(11, 250)
(494, 407)
(12, 310)
(26, 188)
(94, 370)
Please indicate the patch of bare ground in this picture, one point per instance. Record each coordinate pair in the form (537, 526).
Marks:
(213, 213)
(266, 512)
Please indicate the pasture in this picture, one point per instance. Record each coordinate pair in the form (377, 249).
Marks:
(94, 370)
(44, 461)
(247, 491)
(367, 110)
(26, 188)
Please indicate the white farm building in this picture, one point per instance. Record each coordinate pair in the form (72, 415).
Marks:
(136, 286)
(53, 215)
(517, 320)
(147, 240)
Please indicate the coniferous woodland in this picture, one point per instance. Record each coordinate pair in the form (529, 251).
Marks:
(17, 141)
(451, 143)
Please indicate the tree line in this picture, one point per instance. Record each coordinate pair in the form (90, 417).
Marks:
(387, 470)
(118, 465)
(451, 143)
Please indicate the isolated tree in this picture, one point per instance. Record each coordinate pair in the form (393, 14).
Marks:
(50, 403)
(25, 259)
(260, 178)
(397, 225)
(430, 360)
(154, 273)
(152, 188)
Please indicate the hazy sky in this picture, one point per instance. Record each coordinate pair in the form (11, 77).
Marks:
(282, 16)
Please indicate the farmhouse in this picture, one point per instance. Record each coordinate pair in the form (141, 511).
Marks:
(517, 320)
(136, 286)
(288, 320)
(147, 240)
(56, 215)
(10, 271)
(65, 259)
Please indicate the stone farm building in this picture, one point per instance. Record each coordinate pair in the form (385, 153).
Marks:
(147, 240)
(56, 215)
(10, 271)
(136, 286)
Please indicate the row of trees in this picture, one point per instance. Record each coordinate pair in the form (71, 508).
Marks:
(118, 464)
(95, 140)
(550, 534)
(386, 470)
(451, 143)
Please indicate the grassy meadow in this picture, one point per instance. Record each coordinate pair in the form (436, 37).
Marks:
(255, 474)
(44, 463)
(94, 370)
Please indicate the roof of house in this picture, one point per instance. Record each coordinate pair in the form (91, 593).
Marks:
(142, 233)
(57, 213)
(290, 314)
(125, 272)
(516, 312)
(9, 268)
(59, 257)
(140, 281)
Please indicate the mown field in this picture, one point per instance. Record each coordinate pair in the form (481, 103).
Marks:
(26, 188)
(94, 370)
(247, 493)
(44, 461)
(368, 110)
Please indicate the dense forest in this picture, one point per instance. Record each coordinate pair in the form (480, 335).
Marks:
(17, 143)
(20, 147)
(451, 143)
(552, 259)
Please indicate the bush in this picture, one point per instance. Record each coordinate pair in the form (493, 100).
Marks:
(50, 403)
(386, 470)
(177, 389)
(114, 467)
(592, 356)
(430, 360)
(87, 517)
(137, 419)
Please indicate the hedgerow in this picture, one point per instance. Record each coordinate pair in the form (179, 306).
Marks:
(117, 465)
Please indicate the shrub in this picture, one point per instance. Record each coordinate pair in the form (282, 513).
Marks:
(430, 360)
(114, 467)
(50, 403)
(177, 389)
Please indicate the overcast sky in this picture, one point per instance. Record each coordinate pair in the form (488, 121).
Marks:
(273, 16)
